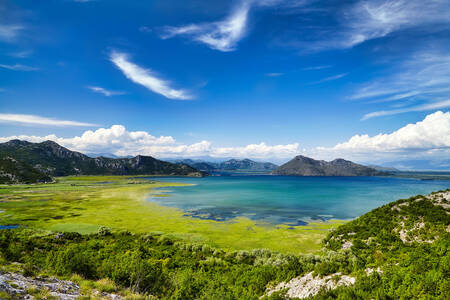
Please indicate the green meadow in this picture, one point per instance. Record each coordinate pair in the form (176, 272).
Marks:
(84, 204)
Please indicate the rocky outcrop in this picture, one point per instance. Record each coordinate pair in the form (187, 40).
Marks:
(309, 285)
(20, 287)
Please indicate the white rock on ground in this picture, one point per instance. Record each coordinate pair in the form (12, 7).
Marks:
(308, 285)
(17, 285)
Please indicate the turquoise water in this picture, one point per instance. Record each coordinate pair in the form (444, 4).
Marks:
(286, 199)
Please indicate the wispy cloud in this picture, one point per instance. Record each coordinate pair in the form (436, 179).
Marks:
(274, 74)
(146, 77)
(351, 23)
(423, 107)
(368, 20)
(9, 32)
(21, 54)
(222, 35)
(316, 68)
(424, 73)
(38, 120)
(330, 78)
(145, 29)
(418, 83)
(18, 67)
(104, 91)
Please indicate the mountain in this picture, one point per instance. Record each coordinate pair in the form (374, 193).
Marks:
(383, 169)
(305, 166)
(55, 160)
(13, 171)
(229, 165)
(247, 164)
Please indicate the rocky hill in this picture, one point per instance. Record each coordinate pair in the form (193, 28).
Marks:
(397, 251)
(13, 171)
(305, 166)
(54, 160)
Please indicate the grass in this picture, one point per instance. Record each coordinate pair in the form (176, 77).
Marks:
(84, 204)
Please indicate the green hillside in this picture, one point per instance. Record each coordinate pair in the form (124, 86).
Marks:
(13, 171)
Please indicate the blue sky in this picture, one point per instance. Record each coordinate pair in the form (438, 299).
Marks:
(264, 79)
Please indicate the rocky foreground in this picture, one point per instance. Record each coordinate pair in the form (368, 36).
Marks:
(18, 286)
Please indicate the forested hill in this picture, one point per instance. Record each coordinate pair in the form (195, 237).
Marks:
(13, 171)
(55, 160)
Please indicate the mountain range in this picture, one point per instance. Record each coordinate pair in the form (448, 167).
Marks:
(305, 166)
(54, 160)
(232, 165)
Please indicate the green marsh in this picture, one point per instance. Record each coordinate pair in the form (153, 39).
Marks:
(84, 204)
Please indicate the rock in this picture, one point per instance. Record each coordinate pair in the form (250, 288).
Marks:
(18, 285)
(308, 285)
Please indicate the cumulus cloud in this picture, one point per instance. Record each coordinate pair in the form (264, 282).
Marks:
(119, 141)
(18, 67)
(104, 91)
(431, 133)
(426, 139)
(146, 77)
(38, 120)
(222, 35)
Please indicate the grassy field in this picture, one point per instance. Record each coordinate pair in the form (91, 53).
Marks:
(83, 204)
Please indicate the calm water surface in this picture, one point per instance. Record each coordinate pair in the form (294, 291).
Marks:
(286, 199)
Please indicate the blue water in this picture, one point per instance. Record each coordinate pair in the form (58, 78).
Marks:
(8, 227)
(286, 199)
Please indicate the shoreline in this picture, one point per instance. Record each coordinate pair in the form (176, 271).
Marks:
(84, 204)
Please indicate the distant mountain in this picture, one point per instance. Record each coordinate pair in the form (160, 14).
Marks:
(383, 169)
(13, 171)
(305, 166)
(55, 160)
(247, 164)
(237, 165)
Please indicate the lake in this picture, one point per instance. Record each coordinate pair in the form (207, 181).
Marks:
(288, 199)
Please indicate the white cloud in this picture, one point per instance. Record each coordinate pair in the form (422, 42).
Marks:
(9, 32)
(373, 19)
(104, 91)
(21, 54)
(274, 74)
(423, 107)
(331, 78)
(18, 67)
(421, 82)
(316, 68)
(427, 72)
(431, 133)
(428, 139)
(260, 150)
(222, 35)
(119, 141)
(146, 77)
(38, 120)
(356, 22)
